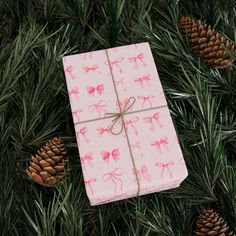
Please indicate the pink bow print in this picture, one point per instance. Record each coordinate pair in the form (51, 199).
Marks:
(89, 183)
(142, 80)
(90, 68)
(165, 166)
(151, 119)
(82, 132)
(136, 146)
(74, 92)
(121, 104)
(99, 89)
(115, 63)
(75, 114)
(121, 82)
(114, 176)
(143, 173)
(135, 60)
(99, 108)
(146, 99)
(102, 130)
(115, 153)
(162, 142)
(131, 124)
(88, 157)
(69, 70)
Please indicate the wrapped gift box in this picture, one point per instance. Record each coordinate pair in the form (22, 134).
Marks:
(126, 138)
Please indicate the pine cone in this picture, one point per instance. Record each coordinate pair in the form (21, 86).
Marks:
(210, 45)
(210, 223)
(48, 165)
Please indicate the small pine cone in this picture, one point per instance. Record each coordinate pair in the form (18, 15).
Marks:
(210, 45)
(209, 223)
(47, 167)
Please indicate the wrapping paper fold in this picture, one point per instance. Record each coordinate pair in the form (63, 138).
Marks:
(145, 157)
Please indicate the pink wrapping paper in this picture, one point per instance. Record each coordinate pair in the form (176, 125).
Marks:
(108, 170)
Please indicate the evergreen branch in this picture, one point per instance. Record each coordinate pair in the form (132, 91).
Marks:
(71, 218)
(34, 107)
(157, 220)
(9, 218)
(226, 193)
(43, 222)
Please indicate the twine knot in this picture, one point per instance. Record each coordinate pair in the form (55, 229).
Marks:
(119, 116)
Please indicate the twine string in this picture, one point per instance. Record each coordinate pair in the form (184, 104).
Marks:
(120, 116)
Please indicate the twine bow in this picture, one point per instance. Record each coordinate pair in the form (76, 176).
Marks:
(119, 116)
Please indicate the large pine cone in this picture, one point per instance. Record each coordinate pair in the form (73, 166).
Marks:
(210, 45)
(47, 167)
(209, 223)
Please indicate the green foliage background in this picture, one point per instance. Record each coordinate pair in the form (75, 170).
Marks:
(34, 107)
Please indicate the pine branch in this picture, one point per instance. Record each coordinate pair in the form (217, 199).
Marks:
(8, 212)
(34, 107)
(44, 221)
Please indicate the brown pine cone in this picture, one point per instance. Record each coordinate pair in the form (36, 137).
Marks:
(206, 42)
(209, 223)
(47, 167)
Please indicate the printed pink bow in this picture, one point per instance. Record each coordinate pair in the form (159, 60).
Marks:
(131, 124)
(121, 83)
(141, 80)
(151, 119)
(115, 153)
(165, 166)
(122, 104)
(146, 99)
(135, 60)
(82, 132)
(102, 130)
(136, 146)
(114, 176)
(115, 63)
(69, 70)
(88, 157)
(90, 68)
(162, 142)
(99, 89)
(75, 114)
(89, 183)
(143, 173)
(74, 93)
(98, 107)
